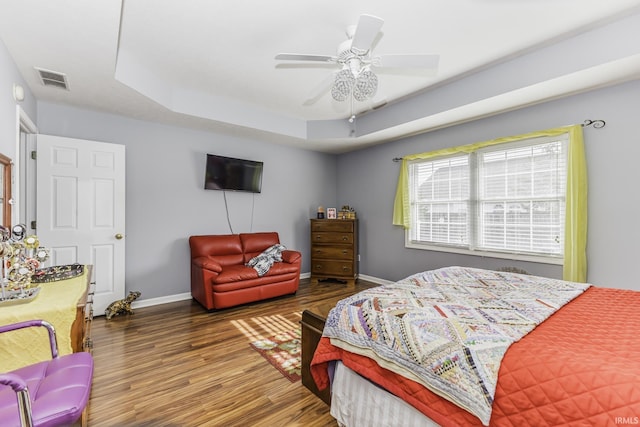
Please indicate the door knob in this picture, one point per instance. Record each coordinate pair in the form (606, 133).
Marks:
(119, 236)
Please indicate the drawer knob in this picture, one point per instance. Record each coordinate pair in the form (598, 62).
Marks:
(345, 252)
(345, 238)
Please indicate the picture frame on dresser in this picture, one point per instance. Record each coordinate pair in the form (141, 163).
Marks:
(332, 213)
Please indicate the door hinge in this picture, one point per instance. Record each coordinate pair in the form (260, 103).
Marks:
(33, 225)
(34, 154)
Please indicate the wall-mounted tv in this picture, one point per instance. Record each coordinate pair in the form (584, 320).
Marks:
(227, 173)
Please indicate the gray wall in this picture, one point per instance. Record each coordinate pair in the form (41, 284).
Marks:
(368, 181)
(166, 202)
(8, 125)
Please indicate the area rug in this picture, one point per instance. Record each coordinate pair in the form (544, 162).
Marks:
(283, 352)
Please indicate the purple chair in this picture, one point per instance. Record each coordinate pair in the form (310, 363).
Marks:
(46, 394)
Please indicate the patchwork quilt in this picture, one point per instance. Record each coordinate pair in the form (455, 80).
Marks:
(446, 330)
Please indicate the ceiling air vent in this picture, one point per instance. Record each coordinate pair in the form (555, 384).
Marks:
(52, 78)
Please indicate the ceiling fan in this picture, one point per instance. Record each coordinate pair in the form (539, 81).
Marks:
(356, 79)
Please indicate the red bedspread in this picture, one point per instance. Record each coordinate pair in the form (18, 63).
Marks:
(579, 367)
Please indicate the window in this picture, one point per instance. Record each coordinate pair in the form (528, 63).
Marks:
(504, 199)
(440, 201)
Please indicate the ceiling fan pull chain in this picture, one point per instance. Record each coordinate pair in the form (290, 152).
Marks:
(353, 116)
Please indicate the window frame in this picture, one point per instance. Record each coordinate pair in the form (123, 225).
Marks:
(473, 221)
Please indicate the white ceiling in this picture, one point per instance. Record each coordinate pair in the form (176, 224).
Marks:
(210, 64)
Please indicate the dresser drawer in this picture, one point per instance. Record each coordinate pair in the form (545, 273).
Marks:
(332, 252)
(332, 225)
(331, 237)
(339, 268)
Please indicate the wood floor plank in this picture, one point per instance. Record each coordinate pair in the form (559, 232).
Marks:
(178, 365)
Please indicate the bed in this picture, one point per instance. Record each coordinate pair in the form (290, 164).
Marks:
(471, 347)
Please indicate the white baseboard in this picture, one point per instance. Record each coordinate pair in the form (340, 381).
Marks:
(161, 300)
(187, 295)
(374, 279)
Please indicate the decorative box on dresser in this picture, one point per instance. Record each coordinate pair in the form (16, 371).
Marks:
(334, 250)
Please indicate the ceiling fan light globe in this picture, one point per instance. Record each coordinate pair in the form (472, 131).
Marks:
(366, 86)
(342, 85)
(337, 94)
(345, 76)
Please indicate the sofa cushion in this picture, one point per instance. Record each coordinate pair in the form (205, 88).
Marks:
(258, 282)
(254, 244)
(236, 273)
(225, 249)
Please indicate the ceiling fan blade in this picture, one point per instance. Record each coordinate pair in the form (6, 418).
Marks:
(322, 88)
(305, 57)
(408, 61)
(366, 31)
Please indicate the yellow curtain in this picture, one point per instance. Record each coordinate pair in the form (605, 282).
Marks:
(575, 228)
(575, 258)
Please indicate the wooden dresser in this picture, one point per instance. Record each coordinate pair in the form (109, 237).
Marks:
(334, 250)
(81, 327)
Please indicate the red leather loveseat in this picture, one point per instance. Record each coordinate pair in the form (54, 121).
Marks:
(220, 278)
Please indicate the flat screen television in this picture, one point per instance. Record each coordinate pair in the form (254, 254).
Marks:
(228, 173)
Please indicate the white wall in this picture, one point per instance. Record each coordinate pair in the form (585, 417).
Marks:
(166, 200)
(368, 181)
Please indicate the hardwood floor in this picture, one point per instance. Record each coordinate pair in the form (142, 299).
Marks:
(178, 365)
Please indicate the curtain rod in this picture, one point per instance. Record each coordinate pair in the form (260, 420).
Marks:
(597, 124)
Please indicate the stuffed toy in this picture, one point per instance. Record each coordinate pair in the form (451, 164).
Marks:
(122, 306)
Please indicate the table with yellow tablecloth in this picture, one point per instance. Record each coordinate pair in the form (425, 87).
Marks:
(57, 303)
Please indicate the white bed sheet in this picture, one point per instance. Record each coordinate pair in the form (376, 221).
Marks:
(356, 401)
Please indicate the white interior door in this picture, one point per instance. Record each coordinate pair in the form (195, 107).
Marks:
(80, 209)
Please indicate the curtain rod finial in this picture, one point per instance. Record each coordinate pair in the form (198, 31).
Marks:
(597, 124)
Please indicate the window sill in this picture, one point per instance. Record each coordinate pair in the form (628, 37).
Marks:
(543, 259)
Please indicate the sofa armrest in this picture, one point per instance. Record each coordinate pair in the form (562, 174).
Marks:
(291, 257)
(208, 264)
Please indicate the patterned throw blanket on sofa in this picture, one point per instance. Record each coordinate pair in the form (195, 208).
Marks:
(448, 329)
(263, 262)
